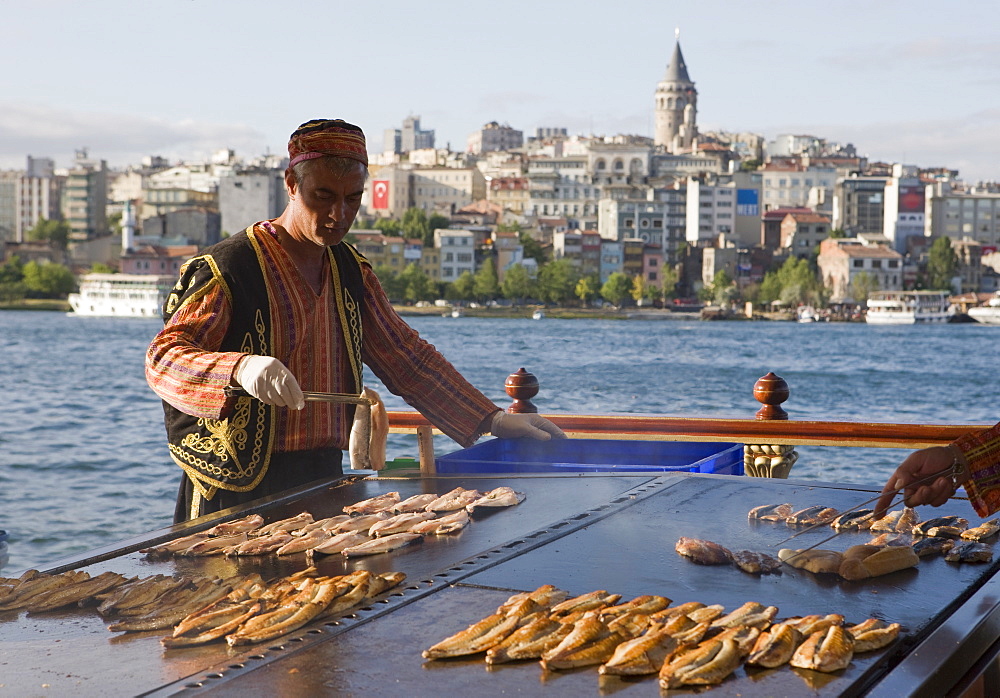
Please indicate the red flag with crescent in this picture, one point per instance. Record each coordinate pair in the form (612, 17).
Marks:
(380, 193)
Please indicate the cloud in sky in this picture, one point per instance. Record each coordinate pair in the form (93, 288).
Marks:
(43, 131)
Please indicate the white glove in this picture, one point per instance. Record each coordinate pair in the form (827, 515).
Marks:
(268, 380)
(517, 426)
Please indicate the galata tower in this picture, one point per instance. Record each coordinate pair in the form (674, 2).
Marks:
(676, 106)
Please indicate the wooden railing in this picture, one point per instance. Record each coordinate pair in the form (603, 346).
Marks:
(769, 426)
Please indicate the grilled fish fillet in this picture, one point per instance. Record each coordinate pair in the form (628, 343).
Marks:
(859, 520)
(340, 542)
(873, 634)
(373, 505)
(262, 545)
(641, 605)
(227, 622)
(417, 502)
(704, 552)
(810, 516)
(307, 541)
(73, 593)
(327, 524)
(529, 641)
(400, 523)
(642, 655)
(933, 545)
(450, 523)
(585, 602)
(361, 523)
(478, 637)
(756, 563)
(770, 512)
(751, 613)
(289, 524)
(825, 650)
(499, 497)
(320, 596)
(946, 526)
(589, 642)
(546, 596)
(775, 646)
(985, 530)
(214, 546)
(708, 663)
(807, 625)
(244, 525)
(382, 545)
(969, 551)
(176, 545)
(458, 498)
(815, 560)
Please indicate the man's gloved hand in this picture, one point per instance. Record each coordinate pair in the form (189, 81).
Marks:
(268, 380)
(517, 426)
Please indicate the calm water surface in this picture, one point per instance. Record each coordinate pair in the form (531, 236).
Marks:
(83, 461)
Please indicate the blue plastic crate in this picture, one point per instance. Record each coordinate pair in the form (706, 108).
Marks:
(594, 456)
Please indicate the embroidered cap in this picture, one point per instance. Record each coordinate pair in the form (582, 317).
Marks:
(320, 137)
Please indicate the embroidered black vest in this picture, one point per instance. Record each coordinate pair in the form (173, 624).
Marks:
(233, 453)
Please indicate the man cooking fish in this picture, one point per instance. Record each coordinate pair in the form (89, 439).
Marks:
(283, 306)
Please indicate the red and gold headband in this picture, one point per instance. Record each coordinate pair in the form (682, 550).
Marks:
(320, 137)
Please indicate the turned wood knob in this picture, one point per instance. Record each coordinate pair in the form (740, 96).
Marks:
(521, 386)
(771, 391)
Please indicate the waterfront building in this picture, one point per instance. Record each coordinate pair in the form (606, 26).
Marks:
(676, 102)
(508, 251)
(841, 260)
(653, 262)
(905, 205)
(37, 195)
(612, 253)
(710, 210)
(640, 219)
(409, 137)
(959, 212)
(802, 232)
(859, 203)
(793, 184)
(446, 189)
(249, 196)
(770, 225)
(85, 197)
(494, 137)
(457, 253)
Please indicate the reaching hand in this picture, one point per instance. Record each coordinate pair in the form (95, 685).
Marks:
(920, 465)
(268, 380)
(517, 426)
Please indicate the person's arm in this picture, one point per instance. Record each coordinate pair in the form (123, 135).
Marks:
(183, 364)
(417, 372)
(975, 456)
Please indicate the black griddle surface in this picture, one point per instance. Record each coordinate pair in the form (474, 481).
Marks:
(631, 551)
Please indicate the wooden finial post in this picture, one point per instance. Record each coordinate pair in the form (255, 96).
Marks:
(521, 386)
(771, 391)
(769, 460)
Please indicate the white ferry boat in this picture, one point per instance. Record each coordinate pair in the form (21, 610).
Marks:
(988, 314)
(121, 295)
(908, 307)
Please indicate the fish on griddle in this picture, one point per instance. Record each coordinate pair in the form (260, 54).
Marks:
(944, 526)
(825, 650)
(642, 655)
(704, 552)
(327, 524)
(244, 525)
(983, 531)
(304, 542)
(400, 523)
(499, 497)
(873, 634)
(415, 503)
(529, 641)
(751, 613)
(450, 523)
(969, 551)
(756, 563)
(384, 544)
(899, 521)
(339, 542)
(708, 663)
(290, 524)
(932, 545)
(589, 642)
(642, 605)
(74, 593)
(858, 520)
(361, 523)
(478, 637)
(812, 516)
(458, 498)
(883, 540)
(807, 625)
(775, 646)
(373, 505)
(770, 512)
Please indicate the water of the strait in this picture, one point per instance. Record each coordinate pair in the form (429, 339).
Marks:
(83, 461)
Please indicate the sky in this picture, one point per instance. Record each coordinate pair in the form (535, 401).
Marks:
(916, 82)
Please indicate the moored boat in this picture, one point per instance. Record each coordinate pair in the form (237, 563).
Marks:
(988, 314)
(121, 295)
(908, 307)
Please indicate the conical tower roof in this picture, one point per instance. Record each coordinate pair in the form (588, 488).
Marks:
(677, 69)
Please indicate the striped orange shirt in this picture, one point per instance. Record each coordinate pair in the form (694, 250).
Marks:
(185, 368)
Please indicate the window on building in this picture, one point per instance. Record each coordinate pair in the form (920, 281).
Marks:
(857, 263)
(893, 263)
(876, 264)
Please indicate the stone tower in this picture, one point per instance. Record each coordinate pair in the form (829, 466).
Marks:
(676, 106)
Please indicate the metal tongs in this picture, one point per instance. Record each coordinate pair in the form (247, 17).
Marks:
(343, 398)
(951, 471)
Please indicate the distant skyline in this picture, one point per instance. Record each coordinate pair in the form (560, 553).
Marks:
(914, 82)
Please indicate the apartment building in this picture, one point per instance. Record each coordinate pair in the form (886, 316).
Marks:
(841, 260)
(457, 252)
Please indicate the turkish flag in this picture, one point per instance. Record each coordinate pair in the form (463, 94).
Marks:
(380, 193)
